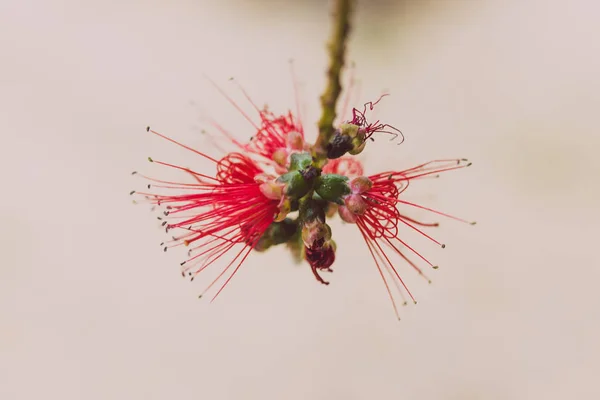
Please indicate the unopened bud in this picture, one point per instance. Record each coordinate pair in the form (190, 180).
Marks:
(356, 204)
(294, 184)
(332, 187)
(346, 215)
(360, 184)
(263, 244)
(277, 233)
(300, 161)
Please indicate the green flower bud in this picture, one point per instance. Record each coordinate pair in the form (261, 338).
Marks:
(332, 187)
(295, 184)
(312, 209)
(299, 181)
(281, 232)
(300, 161)
(277, 233)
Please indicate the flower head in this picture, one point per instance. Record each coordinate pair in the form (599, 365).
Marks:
(215, 215)
(372, 205)
(276, 189)
(276, 137)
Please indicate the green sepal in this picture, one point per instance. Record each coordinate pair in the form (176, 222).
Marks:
(295, 184)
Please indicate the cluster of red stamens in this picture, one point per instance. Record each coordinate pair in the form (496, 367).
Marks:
(269, 192)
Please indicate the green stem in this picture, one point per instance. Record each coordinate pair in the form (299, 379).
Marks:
(329, 98)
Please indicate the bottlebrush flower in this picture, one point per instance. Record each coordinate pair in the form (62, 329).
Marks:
(276, 137)
(372, 205)
(231, 212)
(272, 191)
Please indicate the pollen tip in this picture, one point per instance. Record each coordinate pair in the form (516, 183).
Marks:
(436, 266)
(132, 192)
(199, 296)
(443, 245)
(147, 129)
(469, 164)
(429, 281)
(150, 159)
(405, 303)
(415, 301)
(149, 186)
(134, 172)
(162, 244)
(183, 274)
(165, 249)
(473, 223)
(182, 263)
(464, 159)
(134, 202)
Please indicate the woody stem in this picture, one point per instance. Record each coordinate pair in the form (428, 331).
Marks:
(337, 49)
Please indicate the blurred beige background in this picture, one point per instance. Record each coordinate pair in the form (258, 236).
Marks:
(91, 308)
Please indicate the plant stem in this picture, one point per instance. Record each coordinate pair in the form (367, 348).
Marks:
(329, 98)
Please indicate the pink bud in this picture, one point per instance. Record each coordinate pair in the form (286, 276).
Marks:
(360, 184)
(356, 204)
(346, 215)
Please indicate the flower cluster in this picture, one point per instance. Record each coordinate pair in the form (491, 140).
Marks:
(269, 191)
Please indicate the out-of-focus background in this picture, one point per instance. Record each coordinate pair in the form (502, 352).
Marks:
(91, 308)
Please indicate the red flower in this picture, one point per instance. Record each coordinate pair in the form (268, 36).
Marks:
(372, 206)
(216, 215)
(276, 136)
